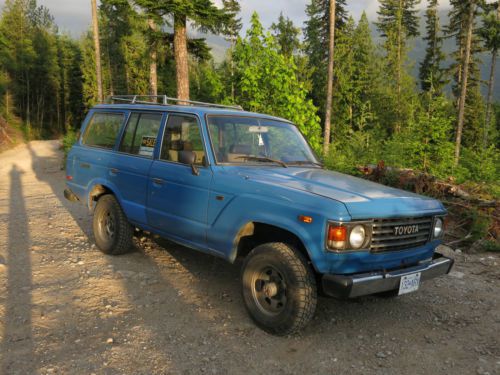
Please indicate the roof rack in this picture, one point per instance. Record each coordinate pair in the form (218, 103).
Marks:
(164, 100)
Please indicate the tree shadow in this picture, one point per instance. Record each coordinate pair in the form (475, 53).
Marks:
(17, 344)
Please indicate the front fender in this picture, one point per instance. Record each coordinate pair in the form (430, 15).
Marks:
(277, 211)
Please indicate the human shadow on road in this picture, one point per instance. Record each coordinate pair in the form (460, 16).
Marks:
(17, 344)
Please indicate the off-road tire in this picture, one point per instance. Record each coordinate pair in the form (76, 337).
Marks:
(299, 286)
(108, 208)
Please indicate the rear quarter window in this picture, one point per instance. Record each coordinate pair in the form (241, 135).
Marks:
(103, 129)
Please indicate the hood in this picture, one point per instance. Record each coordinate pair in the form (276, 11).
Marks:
(363, 199)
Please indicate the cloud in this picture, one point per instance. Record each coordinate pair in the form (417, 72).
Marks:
(74, 15)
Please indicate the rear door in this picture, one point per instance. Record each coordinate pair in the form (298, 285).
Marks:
(92, 154)
(128, 168)
(178, 195)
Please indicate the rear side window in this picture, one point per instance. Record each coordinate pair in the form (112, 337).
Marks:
(140, 134)
(103, 130)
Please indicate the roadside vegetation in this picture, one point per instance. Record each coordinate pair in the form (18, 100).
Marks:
(442, 122)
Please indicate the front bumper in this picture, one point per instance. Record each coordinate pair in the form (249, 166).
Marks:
(348, 286)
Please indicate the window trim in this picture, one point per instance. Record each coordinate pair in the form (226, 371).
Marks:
(243, 164)
(204, 142)
(122, 135)
(125, 115)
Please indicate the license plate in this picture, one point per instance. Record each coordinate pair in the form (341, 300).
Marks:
(409, 283)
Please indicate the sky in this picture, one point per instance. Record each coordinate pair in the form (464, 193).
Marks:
(73, 16)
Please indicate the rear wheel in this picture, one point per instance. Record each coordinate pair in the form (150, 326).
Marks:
(279, 288)
(112, 231)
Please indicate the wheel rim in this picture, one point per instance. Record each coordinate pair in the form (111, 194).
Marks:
(269, 290)
(107, 225)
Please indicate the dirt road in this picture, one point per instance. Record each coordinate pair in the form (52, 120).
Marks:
(67, 309)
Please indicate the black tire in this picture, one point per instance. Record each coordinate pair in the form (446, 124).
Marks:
(285, 302)
(112, 231)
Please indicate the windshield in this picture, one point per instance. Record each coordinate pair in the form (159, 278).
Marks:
(247, 140)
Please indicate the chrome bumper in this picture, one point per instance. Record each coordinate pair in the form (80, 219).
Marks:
(348, 286)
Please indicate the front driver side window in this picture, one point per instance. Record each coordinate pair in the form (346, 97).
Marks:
(182, 142)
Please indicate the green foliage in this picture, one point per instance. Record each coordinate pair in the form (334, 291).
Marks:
(68, 140)
(432, 74)
(257, 58)
(287, 35)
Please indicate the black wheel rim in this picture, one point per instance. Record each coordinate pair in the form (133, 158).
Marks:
(107, 225)
(269, 290)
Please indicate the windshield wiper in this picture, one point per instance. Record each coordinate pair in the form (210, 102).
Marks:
(263, 159)
(305, 162)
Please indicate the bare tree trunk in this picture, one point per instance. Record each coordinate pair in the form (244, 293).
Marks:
(181, 57)
(153, 62)
(233, 41)
(465, 76)
(490, 98)
(97, 47)
(397, 128)
(329, 84)
(491, 85)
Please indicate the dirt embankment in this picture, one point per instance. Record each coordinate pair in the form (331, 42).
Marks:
(67, 309)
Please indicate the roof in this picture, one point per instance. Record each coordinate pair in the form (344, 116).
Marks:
(192, 109)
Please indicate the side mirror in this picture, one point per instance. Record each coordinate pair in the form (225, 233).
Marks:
(189, 157)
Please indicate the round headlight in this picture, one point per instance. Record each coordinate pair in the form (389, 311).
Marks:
(438, 228)
(357, 236)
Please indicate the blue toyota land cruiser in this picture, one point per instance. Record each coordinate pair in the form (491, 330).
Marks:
(238, 184)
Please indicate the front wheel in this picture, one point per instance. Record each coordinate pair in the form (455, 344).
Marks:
(279, 288)
(112, 231)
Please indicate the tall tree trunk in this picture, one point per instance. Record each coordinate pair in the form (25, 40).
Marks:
(489, 102)
(181, 57)
(97, 48)
(399, 67)
(329, 83)
(153, 62)
(491, 85)
(465, 76)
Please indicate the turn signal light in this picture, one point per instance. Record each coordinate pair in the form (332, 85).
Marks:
(337, 237)
(69, 178)
(337, 234)
(306, 219)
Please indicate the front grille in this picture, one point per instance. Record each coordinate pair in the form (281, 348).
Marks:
(385, 238)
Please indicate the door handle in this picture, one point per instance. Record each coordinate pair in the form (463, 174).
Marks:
(113, 171)
(158, 181)
(85, 165)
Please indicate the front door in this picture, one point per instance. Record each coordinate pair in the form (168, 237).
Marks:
(179, 182)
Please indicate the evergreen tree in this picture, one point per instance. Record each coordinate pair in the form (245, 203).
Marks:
(398, 22)
(432, 76)
(287, 35)
(204, 14)
(490, 34)
(231, 30)
(315, 41)
(462, 27)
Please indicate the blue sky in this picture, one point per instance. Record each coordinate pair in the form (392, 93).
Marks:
(74, 15)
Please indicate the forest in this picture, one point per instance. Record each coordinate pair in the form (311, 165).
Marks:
(442, 122)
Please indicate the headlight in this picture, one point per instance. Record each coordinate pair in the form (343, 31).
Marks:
(350, 236)
(438, 228)
(357, 236)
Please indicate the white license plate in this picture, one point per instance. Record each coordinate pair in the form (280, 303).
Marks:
(409, 283)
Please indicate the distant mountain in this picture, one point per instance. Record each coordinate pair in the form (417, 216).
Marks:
(416, 55)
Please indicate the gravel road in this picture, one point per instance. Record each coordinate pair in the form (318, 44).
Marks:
(65, 308)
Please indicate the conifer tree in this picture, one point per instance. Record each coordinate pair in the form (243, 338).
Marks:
(287, 35)
(432, 76)
(231, 31)
(204, 14)
(490, 34)
(316, 34)
(398, 22)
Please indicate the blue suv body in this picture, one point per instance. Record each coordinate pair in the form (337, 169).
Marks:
(239, 184)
